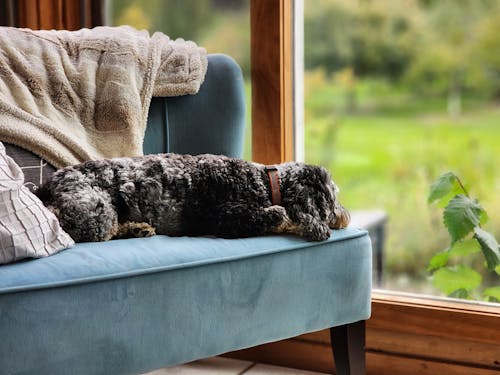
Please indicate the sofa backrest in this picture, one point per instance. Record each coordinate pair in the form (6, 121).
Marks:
(212, 121)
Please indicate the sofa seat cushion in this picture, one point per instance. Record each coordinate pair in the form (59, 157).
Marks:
(97, 261)
(129, 306)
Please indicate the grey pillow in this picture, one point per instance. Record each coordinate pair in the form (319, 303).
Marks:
(35, 169)
(27, 228)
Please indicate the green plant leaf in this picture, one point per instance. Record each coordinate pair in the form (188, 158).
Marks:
(438, 260)
(450, 280)
(465, 247)
(461, 215)
(460, 293)
(484, 217)
(444, 185)
(459, 248)
(489, 246)
(493, 292)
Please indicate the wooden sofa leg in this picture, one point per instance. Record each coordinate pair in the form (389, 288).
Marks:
(348, 345)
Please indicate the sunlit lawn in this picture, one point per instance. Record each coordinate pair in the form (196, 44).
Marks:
(387, 158)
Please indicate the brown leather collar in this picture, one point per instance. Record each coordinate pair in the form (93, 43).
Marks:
(274, 182)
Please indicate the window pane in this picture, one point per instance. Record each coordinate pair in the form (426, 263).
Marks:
(397, 93)
(220, 26)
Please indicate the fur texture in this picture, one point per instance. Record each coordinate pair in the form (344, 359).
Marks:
(177, 195)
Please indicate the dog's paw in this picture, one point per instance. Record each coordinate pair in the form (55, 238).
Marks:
(142, 230)
(318, 232)
(311, 228)
(133, 229)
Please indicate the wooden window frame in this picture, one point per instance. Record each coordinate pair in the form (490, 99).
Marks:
(407, 334)
(272, 80)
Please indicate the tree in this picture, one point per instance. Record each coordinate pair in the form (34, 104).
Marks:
(487, 53)
(372, 37)
(186, 19)
(446, 58)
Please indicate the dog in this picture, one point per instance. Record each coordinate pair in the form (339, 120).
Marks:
(179, 195)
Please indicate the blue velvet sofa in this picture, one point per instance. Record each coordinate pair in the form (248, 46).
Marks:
(134, 305)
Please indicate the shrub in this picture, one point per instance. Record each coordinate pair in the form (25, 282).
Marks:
(463, 217)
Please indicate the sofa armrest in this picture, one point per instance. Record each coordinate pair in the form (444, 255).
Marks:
(212, 121)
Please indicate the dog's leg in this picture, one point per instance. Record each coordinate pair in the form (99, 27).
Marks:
(309, 227)
(284, 223)
(133, 229)
(243, 221)
(305, 226)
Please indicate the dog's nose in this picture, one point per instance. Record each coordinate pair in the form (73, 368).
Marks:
(341, 217)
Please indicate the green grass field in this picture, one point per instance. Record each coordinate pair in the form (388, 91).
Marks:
(387, 154)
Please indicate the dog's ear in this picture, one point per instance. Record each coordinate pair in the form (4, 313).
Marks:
(315, 174)
(126, 191)
(152, 188)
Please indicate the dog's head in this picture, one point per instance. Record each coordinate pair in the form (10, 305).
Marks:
(339, 216)
(312, 191)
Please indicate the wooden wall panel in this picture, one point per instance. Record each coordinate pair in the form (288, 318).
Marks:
(52, 14)
(49, 14)
(7, 12)
(71, 15)
(27, 14)
(98, 13)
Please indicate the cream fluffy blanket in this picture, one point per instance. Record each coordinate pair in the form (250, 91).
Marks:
(81, 95)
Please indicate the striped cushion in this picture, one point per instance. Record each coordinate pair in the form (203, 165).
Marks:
(27, 228)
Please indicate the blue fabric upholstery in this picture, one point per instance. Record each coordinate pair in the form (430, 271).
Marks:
(212, 121)
(129, 306)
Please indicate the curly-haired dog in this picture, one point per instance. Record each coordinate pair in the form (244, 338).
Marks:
(177, 195)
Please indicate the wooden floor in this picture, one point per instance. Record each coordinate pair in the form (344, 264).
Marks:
(228, 366)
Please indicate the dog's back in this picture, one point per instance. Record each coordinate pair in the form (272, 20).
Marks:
(222, 190)
(175, 194)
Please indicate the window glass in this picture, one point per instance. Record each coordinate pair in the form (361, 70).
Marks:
(396, 94)
(220, 26)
